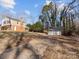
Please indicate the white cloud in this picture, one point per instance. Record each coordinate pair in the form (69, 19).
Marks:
(61, 6)
(36, 5)
(7, 3)
(27, 12)
(48, 1)
(60, 1)
(72, 11)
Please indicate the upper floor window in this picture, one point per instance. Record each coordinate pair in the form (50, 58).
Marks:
(4, 22)
(8, 21)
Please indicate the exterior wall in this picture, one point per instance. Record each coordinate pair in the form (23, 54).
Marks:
(54, 33)
(17, 26)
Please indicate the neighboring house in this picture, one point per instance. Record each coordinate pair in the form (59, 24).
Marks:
(12, 24)
(54, 32)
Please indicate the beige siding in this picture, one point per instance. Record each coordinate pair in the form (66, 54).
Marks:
(13, 22)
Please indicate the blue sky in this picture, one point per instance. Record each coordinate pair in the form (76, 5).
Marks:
(32, 8)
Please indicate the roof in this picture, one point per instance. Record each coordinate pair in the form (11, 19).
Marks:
(54, 29)
(14, 19)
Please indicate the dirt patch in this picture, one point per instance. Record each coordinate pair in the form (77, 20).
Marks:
(37, 46)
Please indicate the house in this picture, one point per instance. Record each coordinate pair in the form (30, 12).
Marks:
(12, 24)
(54, 32)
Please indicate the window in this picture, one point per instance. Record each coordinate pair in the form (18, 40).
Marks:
(17, 22)
(8, 21)
(4, 22)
